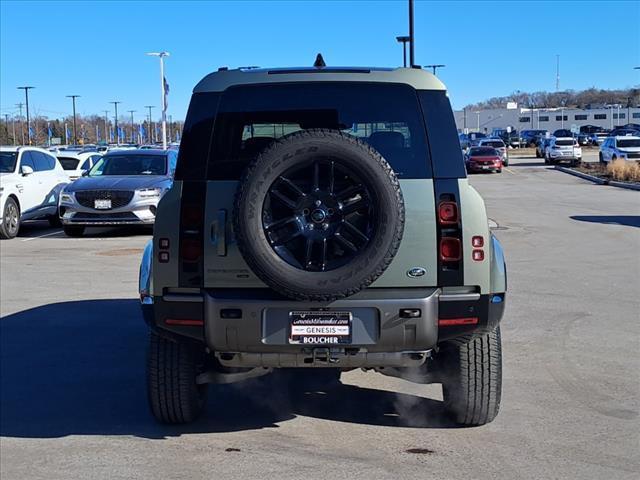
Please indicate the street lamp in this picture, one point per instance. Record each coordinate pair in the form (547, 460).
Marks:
(26, 96)
(434, 67)
(115, 125)
(163, 89)
(149, 134)
(404, 39)
(412, 40)
(75, 134)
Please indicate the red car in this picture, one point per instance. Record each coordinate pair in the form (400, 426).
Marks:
(483, 159)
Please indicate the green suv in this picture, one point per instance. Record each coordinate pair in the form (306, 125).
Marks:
(321, 221)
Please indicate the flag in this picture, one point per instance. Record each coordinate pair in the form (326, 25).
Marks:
(49, 133)
(166, 93)
(67, 135)
(111, 135)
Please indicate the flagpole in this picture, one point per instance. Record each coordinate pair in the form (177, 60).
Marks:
(161, 55)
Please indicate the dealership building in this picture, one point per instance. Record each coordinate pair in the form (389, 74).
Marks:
(522, 118)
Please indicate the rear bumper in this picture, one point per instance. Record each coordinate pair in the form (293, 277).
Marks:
(250, 328)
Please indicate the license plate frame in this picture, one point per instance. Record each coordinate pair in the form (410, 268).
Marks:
(102, 204)
(321, 328)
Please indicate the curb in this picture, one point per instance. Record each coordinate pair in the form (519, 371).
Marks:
(585, 176)
(599, 181)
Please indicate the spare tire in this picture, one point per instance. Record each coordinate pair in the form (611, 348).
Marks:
(319, 215)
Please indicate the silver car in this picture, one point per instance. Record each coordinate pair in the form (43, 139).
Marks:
(122, 188)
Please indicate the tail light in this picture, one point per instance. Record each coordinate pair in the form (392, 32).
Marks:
(448, 213)
(477, 241)
(450, 249)
(191, 249)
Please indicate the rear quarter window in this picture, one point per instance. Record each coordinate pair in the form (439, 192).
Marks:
(446, 155)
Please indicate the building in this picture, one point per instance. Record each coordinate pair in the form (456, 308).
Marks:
(550, 119)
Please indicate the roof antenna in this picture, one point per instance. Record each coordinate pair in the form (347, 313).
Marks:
(319, 61)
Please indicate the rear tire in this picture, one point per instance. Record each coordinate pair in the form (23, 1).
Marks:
(73, 230)
(601, 158)
(10, 219)
(172, 367)
(472, 380)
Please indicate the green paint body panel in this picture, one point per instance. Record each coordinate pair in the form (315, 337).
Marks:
(167, 225)
(474, 222)
(418, 247)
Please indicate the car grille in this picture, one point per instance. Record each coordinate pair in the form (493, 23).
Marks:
(633, 155)
(119, 198)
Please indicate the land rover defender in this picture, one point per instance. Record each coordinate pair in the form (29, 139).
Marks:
(321, 221)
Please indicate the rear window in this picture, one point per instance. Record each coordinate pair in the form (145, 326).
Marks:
(387, 116)
(68, 163)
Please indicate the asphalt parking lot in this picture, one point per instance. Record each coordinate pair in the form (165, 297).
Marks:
(72, 395)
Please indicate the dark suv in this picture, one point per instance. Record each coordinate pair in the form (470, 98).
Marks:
(321, 221)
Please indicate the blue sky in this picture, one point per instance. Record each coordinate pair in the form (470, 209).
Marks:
(97, 49)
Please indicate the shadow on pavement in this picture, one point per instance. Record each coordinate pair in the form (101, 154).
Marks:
(528, 164)
(77, 368)
(39, 228)
(626, 220)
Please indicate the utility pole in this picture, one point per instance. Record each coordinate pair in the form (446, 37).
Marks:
(404, 39)
(150, 126)
(14, 131)
(75, 132)
(170, 133)
(115, 125)
(19, 105)
(434, 67)
(26, 96)
(132, 112)
(557, 73)
(411, 36)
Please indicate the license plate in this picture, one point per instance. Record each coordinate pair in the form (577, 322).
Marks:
(486, 167)
(319, 327)
(102, 204)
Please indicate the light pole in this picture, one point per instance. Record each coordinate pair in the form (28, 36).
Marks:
(163, 89)
(434, 67)
(132, 112)
(150, 127)
(26, 96)
(115, 125)
(75, 134)
(170, 129)
(411, 36)
(404, 39)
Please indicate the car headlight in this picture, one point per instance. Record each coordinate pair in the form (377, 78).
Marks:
(150, 192)
(66, 197)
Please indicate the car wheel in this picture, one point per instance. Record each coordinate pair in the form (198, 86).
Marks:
(537, 153)
(499, 170)
(614, 158)
(505, 162)
(73, 230)
(319, 215)
(472, 379)
(172, 368)
(10, 219)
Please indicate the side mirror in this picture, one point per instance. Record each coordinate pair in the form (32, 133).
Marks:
(26, 170)
(85, 173)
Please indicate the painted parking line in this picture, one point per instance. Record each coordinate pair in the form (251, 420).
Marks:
(510, 171)
(41, 236)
